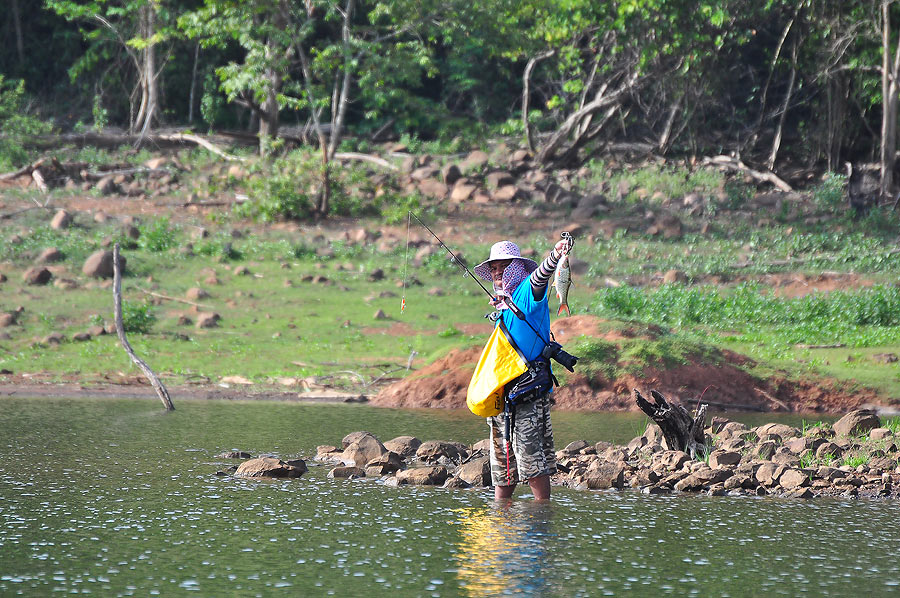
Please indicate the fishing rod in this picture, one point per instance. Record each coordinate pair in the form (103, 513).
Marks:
(552, 349)
(456, 260)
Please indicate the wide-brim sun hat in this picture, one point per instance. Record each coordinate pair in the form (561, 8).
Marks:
(504, 250)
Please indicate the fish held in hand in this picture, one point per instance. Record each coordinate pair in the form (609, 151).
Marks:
(562, 280)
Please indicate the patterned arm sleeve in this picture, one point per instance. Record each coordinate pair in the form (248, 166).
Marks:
(540, 277)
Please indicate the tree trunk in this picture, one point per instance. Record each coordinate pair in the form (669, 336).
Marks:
(339, 112)
(161, 391)
(150, 87)
(193, 83)
(776, 143)
(890, 69)
(526, 92)
(17, 23)
(681, 431)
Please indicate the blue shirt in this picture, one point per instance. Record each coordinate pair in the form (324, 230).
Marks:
(538, 315)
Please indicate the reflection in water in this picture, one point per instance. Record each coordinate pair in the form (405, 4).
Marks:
(503, 549)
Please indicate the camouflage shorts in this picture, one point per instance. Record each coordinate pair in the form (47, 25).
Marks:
(530, 453)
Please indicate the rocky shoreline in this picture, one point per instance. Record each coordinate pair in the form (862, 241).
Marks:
(856, 457)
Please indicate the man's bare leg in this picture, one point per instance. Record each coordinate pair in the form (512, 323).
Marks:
(504, 492)
(540, 487)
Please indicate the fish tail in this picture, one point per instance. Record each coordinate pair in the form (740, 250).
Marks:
(563, 306)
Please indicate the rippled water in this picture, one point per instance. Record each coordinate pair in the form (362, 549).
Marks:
(114, 498)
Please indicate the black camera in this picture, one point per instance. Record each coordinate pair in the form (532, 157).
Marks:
(554, 351)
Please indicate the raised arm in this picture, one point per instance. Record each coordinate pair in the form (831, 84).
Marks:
(540, 277)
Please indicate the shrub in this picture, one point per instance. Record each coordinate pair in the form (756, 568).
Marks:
(137, 318)
(15, 124)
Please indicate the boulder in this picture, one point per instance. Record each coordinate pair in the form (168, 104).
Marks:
(856, 423)
(234, 455)
(675, 277)
(781, 430)
(271, 467)
(576, 446)
(49, 255)
(476, 472)
(363, 449)
(669, 460)
(474, 161)
(462, 192)
(602, 475)
(423, 476)
(208, 320)
(793, 478)
(37, 276)
(389, 462)
(100, 264)
(61, 220)
(455, 482)
(768, 474)
(405, 446)
(766, 449)
(346, 473)
(497, 179)
(196, 293)
(722, 458)
(450, 174)
(433, 188)
(434, 450)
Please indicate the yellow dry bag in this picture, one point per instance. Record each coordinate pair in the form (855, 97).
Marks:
(500, 362)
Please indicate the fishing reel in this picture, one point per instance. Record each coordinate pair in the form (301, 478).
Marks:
(553, 350)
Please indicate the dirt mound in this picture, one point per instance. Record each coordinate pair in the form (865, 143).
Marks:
(441, 384)
(724, 386)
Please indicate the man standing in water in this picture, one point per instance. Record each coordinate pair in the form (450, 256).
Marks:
(528, 455)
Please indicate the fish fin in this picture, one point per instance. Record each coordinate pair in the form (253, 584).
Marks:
(563, 306)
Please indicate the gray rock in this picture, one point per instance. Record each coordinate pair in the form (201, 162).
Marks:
(61, 220)
(669, 460)
(208, 320)
(435, 449)
(362, 450)
(37, 276)
(271, 467)
(856, 423)
(455, 482)
(793, 478)
(722, 458)
(386, 463)
(405, 446)
(100, 264)
(49, 255)
(603, 475)
(423, 476)
(476, 472)
(234, 455)
(346, 473)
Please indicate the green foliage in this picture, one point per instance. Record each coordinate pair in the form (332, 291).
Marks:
(137, 317)
(830, 194)
(857, 317)
(449, 331)
(16, 124)
(157, 235)
(854, 460)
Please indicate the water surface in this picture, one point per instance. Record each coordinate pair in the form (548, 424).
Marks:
(115, 498)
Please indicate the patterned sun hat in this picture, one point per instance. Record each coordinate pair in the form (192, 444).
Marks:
(504, 250)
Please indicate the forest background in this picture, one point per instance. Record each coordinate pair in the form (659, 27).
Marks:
(785, 85)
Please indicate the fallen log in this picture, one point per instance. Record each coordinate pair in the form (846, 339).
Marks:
(681, 431)
(735, 164)
(157, 384)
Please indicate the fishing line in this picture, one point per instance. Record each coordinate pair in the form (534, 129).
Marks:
(405, 263)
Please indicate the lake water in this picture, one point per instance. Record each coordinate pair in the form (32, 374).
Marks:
(116, 498)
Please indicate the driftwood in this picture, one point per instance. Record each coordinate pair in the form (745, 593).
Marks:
(680, 431)
(87, 175)
(735, 164)
(120, 330)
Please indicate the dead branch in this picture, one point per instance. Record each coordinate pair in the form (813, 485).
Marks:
(772, 399)
(120, 330)
(365, 158)
(735, 164)
(680, 431)
(39, 180)
(161, 296)
(189, 138)
(96, 176)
